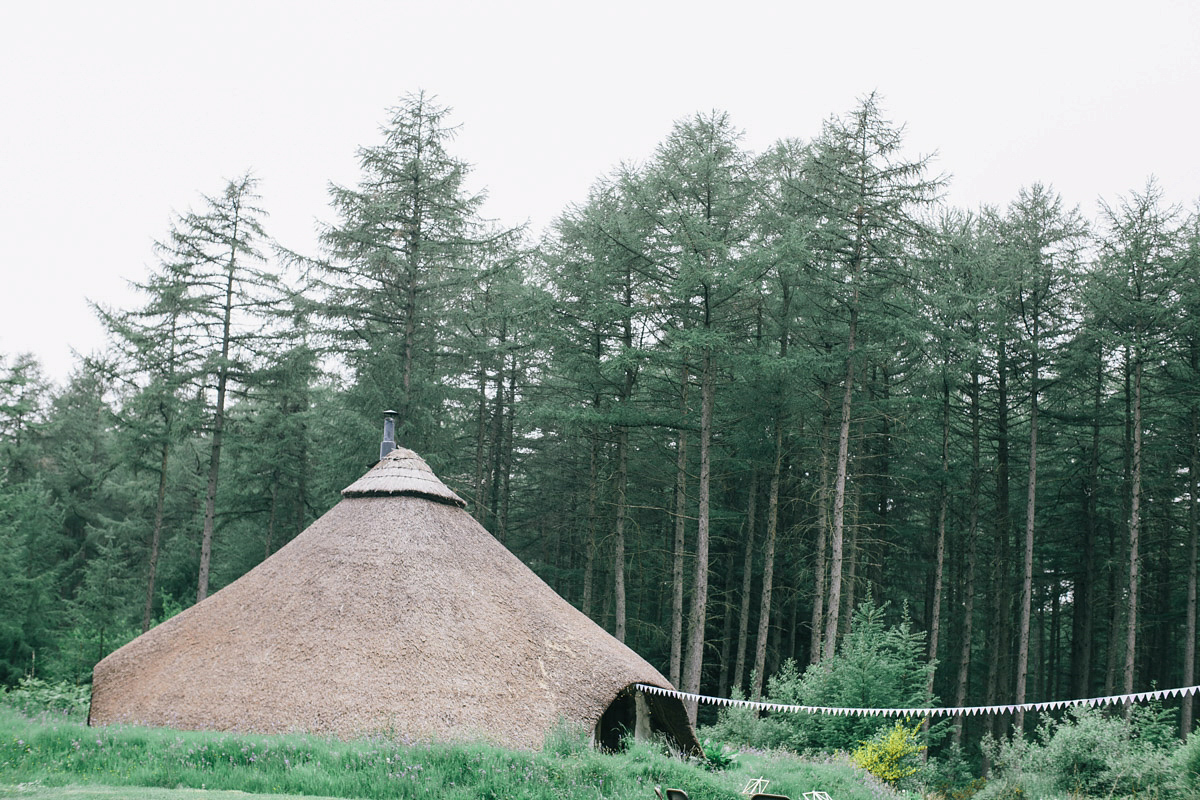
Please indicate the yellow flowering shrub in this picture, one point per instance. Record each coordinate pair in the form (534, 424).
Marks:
(893, 754)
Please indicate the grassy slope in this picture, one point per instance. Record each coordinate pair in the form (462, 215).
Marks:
(94, 792)
(57, 757)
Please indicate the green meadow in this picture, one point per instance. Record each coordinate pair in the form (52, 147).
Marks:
(53, 755)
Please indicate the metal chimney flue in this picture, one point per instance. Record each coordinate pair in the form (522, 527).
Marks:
(389, 434)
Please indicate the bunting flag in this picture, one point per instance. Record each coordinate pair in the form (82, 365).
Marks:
(1118, 699)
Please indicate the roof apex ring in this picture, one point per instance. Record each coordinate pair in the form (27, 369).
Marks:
(403, 472)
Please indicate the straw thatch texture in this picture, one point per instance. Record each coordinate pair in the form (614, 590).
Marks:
(403, 472)
(390, 614)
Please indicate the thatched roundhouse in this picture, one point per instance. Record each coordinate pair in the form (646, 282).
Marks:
(394, 613)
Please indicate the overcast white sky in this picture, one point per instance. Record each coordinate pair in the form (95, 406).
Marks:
(117, 114)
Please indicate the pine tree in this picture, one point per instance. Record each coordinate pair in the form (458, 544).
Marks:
(1039, 248)
(1139, 266)
(698, 193)
(157, 353)
(864, 197)
(408, 243)
(215, 254)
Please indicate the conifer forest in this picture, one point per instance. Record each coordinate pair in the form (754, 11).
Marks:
(726, 399)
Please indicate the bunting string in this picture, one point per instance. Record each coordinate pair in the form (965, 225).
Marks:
(1050, 705)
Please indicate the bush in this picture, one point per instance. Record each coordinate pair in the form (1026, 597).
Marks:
(951, 776)
(893, 754)
(34, 695)
(1093, 753)
(1187, 763)
(718, 757)
(876, 666)
(1079, 754)
(745, 728)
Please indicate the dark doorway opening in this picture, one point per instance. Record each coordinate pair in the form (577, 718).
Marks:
(618, 721)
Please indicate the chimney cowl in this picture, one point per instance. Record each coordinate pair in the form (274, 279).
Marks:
(389, 434)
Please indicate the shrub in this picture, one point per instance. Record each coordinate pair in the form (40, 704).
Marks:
(893, 754)
(1092, 753)
(950, 775)
(876, 666)
(34, 695)
(718, 757)
(1187, 763)
(1095, 753)
(744, 727)
(1079, 753)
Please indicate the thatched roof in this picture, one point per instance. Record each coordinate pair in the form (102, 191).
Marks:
(395, 613)
(403, 472)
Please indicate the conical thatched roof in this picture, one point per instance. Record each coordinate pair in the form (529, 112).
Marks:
(395, 612)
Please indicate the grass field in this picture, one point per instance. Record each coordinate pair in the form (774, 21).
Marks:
(38, 792)
(53, 756)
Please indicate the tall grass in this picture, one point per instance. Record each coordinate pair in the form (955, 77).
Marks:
(54, 749)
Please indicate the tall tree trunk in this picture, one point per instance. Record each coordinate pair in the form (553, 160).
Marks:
(1135, 501)
(506, 459)
(817, 633)
(214, 458)
(695, 651)
(1114, 621)
(210, 494)
(1050, 685)
(589, 565)
(273, 514)
(837, 534)
(481, 425)
(678, 554)
(739, 671)
(1189, 636)
(764, 612)
(156, 536)
(853, 560)
(999, 575)
(301, 477)
(870, 565)
(726, 629)
(623, 459)
(1117, 581)
(414, 236)
(619, 535)
(1027, 574)
(940, 546)
(1085, 580)
(497, 436)
(161, 498)
(964, 654)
